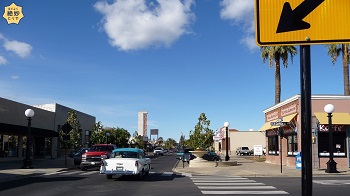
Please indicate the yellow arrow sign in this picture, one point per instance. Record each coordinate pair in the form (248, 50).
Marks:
(301, 22)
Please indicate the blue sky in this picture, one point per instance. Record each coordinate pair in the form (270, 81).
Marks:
(172, 58)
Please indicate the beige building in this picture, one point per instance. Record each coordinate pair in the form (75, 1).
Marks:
(290, 139)
(238, 139)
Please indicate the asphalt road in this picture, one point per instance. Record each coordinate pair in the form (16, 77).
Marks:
(162, 181)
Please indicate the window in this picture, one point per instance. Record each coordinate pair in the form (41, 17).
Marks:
(292, 145)
(339, 144)
(273, 145)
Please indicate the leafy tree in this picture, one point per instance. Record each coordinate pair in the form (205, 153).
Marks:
(169, 143)
(118, 136)
(96, 134)
(73, 138)
(334, 50)
(275, 54)
(202, 136)
(182, 141)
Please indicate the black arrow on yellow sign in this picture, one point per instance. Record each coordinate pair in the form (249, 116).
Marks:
(292, 20)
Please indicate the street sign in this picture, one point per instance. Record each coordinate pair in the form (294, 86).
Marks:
(302, 22)
(279, 123)
(66, 128)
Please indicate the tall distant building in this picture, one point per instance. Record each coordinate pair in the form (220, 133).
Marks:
(142, 123)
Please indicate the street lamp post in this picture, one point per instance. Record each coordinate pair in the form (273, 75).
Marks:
(27, 162)
(331, 164)
(226, 125)
(107, 135)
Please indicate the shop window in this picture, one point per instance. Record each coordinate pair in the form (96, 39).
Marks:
(292, 145)
(273, 145)
(339, 144)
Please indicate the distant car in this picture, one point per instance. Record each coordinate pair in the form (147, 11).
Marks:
(77, 155)
(243, 151)
(158, 151)
(184, 154)
(211, 156)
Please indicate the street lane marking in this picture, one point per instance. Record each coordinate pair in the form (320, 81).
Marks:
(332, 182)
(245, 192)
(167, 173)
(237, 187)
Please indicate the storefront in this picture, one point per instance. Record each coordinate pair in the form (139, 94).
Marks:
(45, 124)
(283, 141)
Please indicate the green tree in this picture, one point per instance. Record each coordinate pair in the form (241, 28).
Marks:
(334, 50)
(202, 136)
(96, 134)
(182, 141)
(73, 138)
(169, 143)
(118, 136)
(275, 54)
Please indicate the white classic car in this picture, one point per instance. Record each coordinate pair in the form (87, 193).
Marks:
(126, 161)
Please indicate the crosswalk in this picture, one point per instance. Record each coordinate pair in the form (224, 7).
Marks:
(236, 185)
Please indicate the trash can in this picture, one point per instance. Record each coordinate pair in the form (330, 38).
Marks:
(298, 161)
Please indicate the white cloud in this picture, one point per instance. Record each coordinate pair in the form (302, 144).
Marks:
(20, 48)
(241, 13)
(134, 25)
(250, 42)
(15, 77)
(3, 61)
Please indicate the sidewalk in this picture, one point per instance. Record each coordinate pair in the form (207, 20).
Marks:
(11, 169)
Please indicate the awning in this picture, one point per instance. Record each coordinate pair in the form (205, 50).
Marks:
(337, 118)
(268, 126)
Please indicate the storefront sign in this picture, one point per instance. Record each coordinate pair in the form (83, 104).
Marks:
(289, 110)
(336, 128)
(272, 116)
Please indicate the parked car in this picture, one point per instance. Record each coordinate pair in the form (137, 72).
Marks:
(211, 156)
(243, 151)
(77, 155)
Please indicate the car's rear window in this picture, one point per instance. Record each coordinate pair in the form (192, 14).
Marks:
(100, 148)
(124, 154)
(245, 148)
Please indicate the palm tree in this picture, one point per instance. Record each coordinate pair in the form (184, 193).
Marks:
(334, 51)
(275, 54)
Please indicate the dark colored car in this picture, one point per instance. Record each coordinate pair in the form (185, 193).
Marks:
(77, 155)
(211, 156)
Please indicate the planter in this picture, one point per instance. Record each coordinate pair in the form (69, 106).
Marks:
(198, 154)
